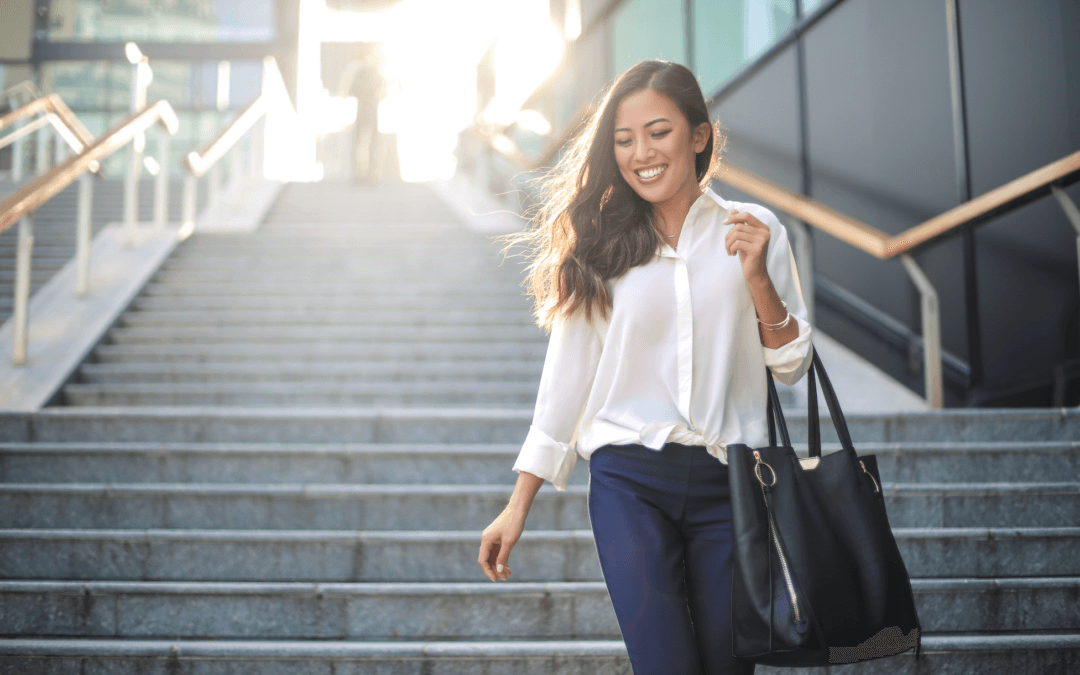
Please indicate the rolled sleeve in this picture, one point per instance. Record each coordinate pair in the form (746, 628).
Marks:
(543, 456)
(788, 362)
(569, 369)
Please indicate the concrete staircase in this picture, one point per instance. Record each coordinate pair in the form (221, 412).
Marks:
(54, 229)
(281, 462)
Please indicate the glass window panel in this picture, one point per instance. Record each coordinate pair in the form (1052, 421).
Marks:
(84, 85)
(245, 82)
(169, 21)
(648, 29)
(810, 5)
(172, 82)
(732, 33)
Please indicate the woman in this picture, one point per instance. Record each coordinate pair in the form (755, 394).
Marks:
(659, 340)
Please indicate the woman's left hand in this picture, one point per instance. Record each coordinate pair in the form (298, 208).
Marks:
(750, 239)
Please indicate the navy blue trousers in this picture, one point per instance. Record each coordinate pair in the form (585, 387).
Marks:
(662, 524)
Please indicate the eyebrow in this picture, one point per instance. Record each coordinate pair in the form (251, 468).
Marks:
(647, 124)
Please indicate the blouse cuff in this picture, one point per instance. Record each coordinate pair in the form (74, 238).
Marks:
(545, 457)
(791, 361)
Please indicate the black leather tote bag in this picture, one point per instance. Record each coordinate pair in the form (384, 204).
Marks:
(817, 576)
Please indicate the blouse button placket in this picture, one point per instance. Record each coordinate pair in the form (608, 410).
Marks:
(684, 313)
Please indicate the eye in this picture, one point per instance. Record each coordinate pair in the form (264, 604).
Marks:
(622, 141)
(661, 134)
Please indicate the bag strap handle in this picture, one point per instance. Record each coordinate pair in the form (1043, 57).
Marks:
(774, 411)
(814, 423)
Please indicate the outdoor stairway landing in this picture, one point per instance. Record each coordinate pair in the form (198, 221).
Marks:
(313, 435)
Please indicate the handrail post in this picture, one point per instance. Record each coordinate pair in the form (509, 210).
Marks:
(82, 236)
(16, 150)
(41, 158)
(213, 188)
(236, 180)
(931, 332)
(59, 150)
(161, 182)
(1072, 213)
(255, 149)
(131, 192)
(187, 214)
(21, 315)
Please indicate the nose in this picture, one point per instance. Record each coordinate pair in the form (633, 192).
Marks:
(642, 150)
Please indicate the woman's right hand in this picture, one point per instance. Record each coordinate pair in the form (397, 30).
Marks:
(497, 540)
(503, 532)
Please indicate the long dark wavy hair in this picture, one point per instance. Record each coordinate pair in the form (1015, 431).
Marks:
(591, 226)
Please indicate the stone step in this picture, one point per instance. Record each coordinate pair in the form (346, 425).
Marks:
(309, 317)
(358, 463)
(367, 372)
(360, 273)
(985, 653)
(39, 274)
(445, 610)
(52, 261)
(342, 257)
(445, 288)
(332, 353)
(450, 555)
(327, 393)
(365, 303)
(285, 334)
(412, 506)
(478, 425)
(256, 251)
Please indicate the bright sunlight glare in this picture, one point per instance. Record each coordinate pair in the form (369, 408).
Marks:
(432, 48)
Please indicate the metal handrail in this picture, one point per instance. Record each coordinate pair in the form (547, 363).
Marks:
(27, 87)
(44, 187)
(56, 112)
(52, 104)
(1045, 180)
(199, 162)
(206, 159)
(19, 206)
(883, 246)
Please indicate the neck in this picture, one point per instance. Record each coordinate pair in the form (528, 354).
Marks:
(670, 214)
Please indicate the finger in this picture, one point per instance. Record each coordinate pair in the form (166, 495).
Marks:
(488, 551)
(502, 570)
(750, 238)
(751, 229)
(746, 244)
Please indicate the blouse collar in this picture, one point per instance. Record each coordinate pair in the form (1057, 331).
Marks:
(686, 237)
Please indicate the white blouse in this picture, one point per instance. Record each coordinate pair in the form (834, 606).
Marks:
(679, 358)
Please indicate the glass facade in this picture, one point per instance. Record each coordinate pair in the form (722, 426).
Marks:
(168, 21)
(648, 29)
(729, 35)
(99, 92)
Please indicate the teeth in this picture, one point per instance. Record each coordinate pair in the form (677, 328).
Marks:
(652, 172)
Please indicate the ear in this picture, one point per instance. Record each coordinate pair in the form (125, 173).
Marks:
(701, 136)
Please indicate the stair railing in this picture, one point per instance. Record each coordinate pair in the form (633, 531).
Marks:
(27, 91)
(273, 99)
(20, 206)
(1049, 179)
(53, 112)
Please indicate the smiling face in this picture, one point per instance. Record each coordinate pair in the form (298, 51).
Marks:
(654, 148)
